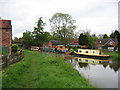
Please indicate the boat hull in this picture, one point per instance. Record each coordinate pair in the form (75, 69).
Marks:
(93, 56)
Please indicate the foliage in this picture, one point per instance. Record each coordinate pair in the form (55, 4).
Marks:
(83, 39)
(114, 34)
(72, 48)
(86, 39)
(4, 53)
(15, 39)
(28, 39)
(40, 70)
(105, 36)
(14, 47)
(115, 55)
(38, 33)
(62, 26)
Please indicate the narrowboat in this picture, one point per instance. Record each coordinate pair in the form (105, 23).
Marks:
(91, 53)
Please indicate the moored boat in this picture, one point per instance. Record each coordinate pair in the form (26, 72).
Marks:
(91, 53)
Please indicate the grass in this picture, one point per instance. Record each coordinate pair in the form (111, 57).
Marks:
(113, 54)
(40, 70)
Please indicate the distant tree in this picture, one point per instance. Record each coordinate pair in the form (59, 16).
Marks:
(87, 39)
(83, 39)
(92, 40)
(27, 39)
(38, 33)
(48, 36)
(15, 39)
(100, 36)
(114, 34)
(62, 25)
(105, 36)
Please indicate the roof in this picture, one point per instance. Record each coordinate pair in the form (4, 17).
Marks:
(55, 42)
(73, 42)
(102, 42)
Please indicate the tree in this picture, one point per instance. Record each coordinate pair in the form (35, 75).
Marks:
(114, 34)
(105, 36)
(38, 33)
(92, 40)
(27, 39)
(83, 39)
(63, 26)
(15, 39)
(100, 36)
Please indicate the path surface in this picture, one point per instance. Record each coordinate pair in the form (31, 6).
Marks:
(40, 70)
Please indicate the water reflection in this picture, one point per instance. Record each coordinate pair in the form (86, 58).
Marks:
(100, 73)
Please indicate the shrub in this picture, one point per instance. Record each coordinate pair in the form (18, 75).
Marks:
(14, 47)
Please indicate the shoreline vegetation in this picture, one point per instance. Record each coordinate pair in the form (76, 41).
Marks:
(115, 55)
(42, 70)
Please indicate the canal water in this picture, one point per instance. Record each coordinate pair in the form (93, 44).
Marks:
(100, 73)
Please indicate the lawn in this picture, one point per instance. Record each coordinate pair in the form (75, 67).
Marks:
(41, 70)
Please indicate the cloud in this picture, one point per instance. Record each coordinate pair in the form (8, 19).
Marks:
(98, 15)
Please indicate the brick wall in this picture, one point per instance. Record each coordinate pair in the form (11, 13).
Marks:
(5, 34)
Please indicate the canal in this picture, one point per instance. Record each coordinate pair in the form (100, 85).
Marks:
(100, 73)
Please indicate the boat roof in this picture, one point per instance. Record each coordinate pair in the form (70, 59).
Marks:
(89, 49)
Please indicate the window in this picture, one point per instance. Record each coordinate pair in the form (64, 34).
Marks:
(93, 52)
(79, 59)
(93, 61)
(86, 52)
(80, 51)
(111, 43)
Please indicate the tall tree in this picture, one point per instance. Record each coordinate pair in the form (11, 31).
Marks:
(38, 33)
(114, 34)
(83, 39)
(63, 26)
(105, 36)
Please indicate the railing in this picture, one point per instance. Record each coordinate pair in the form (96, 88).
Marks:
(10, 59)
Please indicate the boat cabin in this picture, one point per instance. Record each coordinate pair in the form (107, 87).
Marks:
(89, 52)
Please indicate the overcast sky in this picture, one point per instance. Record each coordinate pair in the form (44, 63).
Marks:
(100, 16)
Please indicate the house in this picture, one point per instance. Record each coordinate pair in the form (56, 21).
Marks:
(110, 44)
(73, 43)
(52, 43)
(5, 36)
(55, 44)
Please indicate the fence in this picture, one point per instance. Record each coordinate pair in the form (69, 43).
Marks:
(11, 59)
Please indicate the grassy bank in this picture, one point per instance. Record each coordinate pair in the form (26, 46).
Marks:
(113, 54)
(40, 70)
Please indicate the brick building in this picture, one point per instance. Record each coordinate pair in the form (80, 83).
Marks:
(5, 35)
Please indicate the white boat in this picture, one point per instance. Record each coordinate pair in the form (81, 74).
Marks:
(91, 53)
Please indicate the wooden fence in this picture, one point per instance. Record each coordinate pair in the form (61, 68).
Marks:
(11, 59)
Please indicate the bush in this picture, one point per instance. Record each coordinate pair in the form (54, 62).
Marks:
(72, 48)
(14, 47)
(3, 53)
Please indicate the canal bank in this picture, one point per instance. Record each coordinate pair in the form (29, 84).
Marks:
(41, 70)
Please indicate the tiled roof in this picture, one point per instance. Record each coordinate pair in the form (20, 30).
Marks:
(55, 42)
